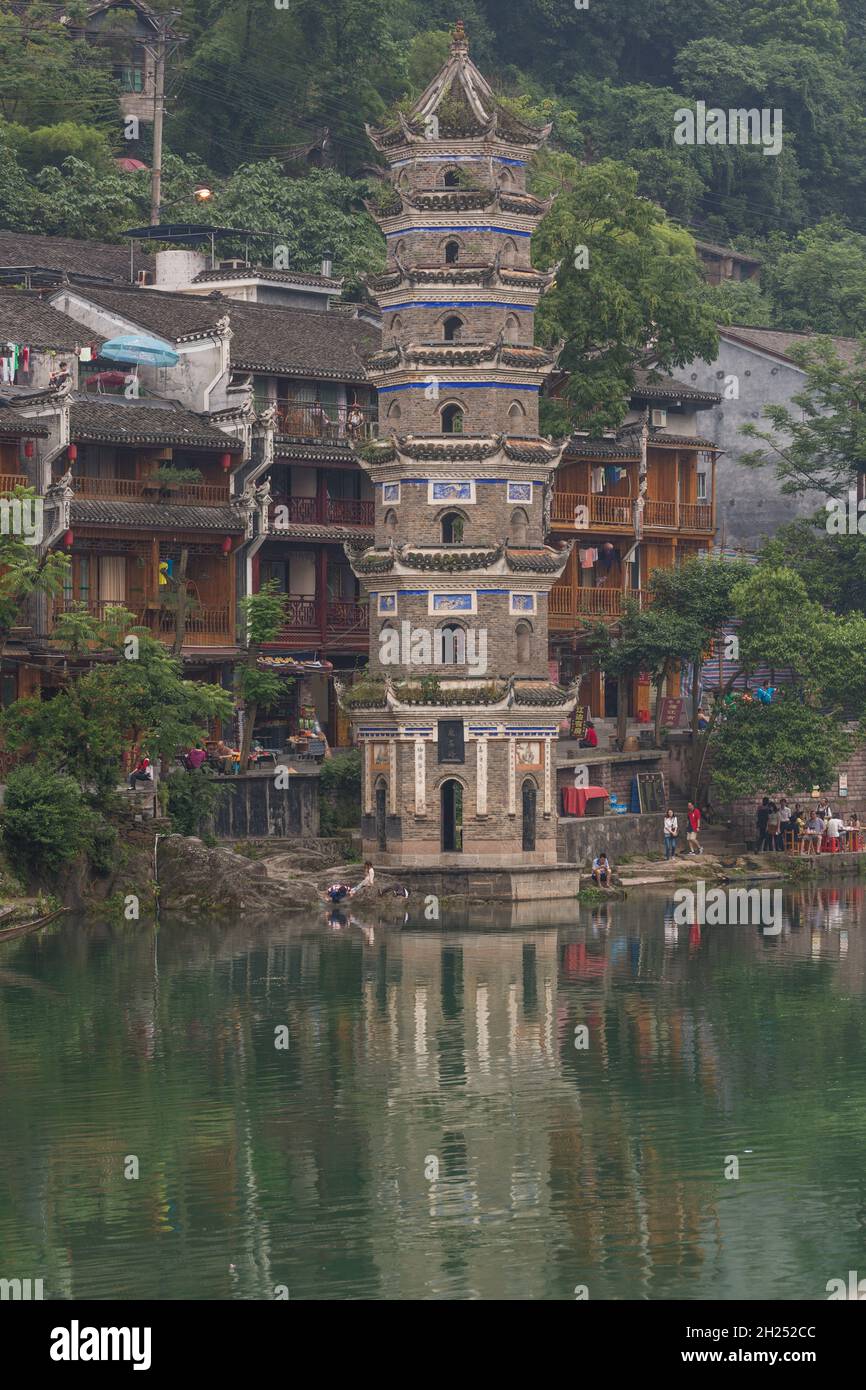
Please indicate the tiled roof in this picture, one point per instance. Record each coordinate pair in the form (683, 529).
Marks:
(299, 532)
(26, 318)
(339, 452)
(265, 337)
(692, 441)
(82, 259)
(144, 516)
(668, 388)
(11, 423)
(264, 272)
(578, 447)
(779, 344)
(128, 422)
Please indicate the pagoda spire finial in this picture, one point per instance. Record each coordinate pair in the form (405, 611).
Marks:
(459, 41)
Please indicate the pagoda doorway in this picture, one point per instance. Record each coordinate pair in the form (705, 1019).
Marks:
(530, 801)
(452, 817)
(381, 802)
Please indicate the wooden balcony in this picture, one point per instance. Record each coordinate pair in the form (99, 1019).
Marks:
(151, 490)
(322, 422)
(310, 622)
(329, 511)
(9, 482)
(606, 512)
(574, 607)
(206, 626)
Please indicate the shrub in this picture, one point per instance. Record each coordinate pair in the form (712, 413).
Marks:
(191, 801)
(340, 792)
(46, 821)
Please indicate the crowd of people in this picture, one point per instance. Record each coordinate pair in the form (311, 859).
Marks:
(781, 826)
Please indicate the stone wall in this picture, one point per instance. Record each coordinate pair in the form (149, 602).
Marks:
(487, 520)
(255, 807)
(485, 407)
(492, 624)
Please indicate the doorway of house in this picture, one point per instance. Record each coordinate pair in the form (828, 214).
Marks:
(452, 817)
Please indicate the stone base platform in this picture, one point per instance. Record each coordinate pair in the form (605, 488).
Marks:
(515, 884)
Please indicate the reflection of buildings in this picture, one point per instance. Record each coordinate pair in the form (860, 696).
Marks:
(311, 1166)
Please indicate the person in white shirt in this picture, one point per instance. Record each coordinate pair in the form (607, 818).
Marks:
(671, 831)
(601, 870)
(833, 829)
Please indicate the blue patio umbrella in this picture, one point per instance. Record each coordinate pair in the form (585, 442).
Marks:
(137, 348)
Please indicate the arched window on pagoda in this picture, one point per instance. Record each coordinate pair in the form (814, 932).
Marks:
(518, 530)
(523, 638)
(451, 178)
(452, 328)
(452, 418)
(452, 528)
(452, 252)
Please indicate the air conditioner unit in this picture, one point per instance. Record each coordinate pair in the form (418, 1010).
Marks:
(660, 418)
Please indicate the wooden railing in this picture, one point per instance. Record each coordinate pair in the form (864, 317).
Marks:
(308, 616)
(211, 494)
(600, 509)
(696, 516)
(206, 624)
(569, 604)
(330, 511)
(9, 481)
(322, 421)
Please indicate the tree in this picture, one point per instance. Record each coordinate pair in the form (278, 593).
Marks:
(786, 744)
(628, 293)
(264, 615)
(45, 819)
(139, 699)
(818, 443)
(818, 281)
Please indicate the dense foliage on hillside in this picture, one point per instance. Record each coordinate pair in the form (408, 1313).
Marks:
(255, 84)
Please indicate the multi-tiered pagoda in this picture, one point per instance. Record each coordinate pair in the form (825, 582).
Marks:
(458, 720)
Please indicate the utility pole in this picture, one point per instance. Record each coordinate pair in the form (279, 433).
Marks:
(159, 52)
(158, 114)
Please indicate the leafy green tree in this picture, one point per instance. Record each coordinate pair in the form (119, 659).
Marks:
(818, 442)
(785, 744)
(628, 292)
(46, 76)
(306, 216)
(832, 567)
(139, 699)
(264, 616)
(45, 819)
(819, 282)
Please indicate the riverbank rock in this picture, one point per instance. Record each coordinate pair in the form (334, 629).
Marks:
(217, 882)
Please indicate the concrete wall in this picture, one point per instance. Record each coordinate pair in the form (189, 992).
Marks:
(750, 504)
(580, 840)
(254, 807)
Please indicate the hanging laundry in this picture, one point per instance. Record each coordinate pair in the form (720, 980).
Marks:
(588, 558)
(598, 479)
(611, 475)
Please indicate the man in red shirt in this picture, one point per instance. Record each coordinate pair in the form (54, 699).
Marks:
(590, 738)
(694, 819)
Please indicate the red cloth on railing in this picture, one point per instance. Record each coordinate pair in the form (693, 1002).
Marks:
(574, 799)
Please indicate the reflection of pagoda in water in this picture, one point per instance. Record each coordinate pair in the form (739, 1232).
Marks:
(458, 721)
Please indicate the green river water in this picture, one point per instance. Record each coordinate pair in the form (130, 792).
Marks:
(404, 1114)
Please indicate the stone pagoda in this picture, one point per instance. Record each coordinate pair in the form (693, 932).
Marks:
(458, 718)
